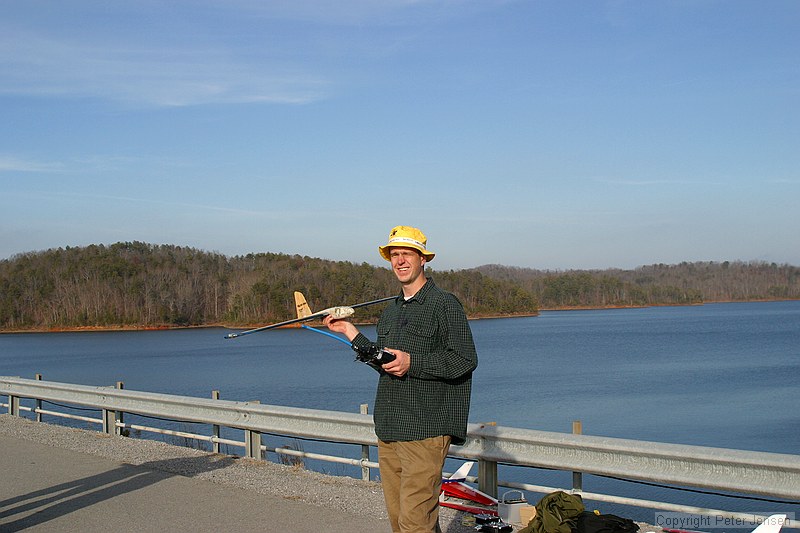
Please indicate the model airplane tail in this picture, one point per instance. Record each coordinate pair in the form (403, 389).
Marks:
(304, 311)
(462, 473)
(772, 524)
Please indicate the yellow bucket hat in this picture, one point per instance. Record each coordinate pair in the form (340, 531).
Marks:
(406, 237)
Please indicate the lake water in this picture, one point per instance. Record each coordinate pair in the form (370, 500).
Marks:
(722, 375)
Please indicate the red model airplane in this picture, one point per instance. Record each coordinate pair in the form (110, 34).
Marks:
(456, 494)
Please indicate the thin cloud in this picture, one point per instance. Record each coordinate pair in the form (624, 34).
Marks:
(191, 64)
(86, 164)
(150, 75)
(652, 182)
(355, 12)
(151, 201)
(14, 164)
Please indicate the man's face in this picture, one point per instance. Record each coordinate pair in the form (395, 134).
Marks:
(408, 264)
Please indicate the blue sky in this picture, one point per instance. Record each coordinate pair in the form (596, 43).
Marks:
(543, 134)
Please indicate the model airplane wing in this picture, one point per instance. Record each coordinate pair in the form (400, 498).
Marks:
(305, 314)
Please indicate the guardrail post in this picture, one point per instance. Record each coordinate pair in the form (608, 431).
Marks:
(118, 415)
(487, 477)
(487, 473)
(252, 441)
(109, 421)
(38, 403)
(215, 427)
(577, 477)
(13, 405)
(365, 448)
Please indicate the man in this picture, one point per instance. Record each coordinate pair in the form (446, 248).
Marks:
(423, 395)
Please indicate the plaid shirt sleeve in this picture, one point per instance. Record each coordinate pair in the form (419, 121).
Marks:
(433, 398)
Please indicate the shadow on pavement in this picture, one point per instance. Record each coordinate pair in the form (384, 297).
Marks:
(43, 505)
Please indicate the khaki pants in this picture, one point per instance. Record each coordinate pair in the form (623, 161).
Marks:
(411, 476)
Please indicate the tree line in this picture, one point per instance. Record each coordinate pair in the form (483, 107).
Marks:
(659, 284)
(135, 284)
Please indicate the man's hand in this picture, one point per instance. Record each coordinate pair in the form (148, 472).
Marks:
(399, 367)
(342, 326)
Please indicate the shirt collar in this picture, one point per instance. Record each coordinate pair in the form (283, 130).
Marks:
(420, 295)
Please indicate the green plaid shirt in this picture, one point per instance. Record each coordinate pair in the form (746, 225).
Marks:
(432, 399)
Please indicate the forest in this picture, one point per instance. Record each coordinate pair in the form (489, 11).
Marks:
(140, 285)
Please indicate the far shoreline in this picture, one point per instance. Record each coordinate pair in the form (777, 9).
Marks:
(165, 327)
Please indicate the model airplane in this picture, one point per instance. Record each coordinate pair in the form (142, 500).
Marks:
(305, 314)
(467, 498)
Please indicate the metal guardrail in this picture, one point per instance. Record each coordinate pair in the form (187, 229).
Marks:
(744, 472)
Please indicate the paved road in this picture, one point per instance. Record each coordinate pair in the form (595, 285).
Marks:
(49, 489)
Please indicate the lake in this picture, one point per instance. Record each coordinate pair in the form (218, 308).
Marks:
(722, 375)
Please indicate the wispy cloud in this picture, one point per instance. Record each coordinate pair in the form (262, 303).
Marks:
(276, 214)
(355, 12)
(149, 74)
(89, 164)
(201, 52)
(169, 203)
(653, 182)
(10, 163)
